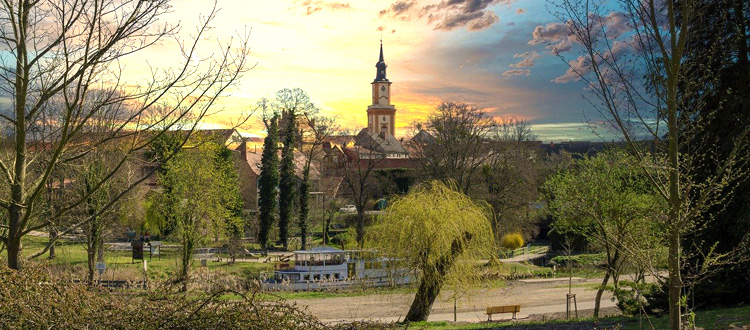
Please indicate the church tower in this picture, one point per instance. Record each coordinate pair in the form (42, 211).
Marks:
(381, 115)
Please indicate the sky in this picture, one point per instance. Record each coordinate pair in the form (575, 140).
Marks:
(486, 52)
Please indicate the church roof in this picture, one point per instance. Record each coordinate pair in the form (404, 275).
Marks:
(382, 142)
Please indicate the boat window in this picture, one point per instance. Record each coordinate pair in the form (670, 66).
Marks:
(316, 277)
(336, 276)
(306, 277)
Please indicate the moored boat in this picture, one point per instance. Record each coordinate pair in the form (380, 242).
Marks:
(323, 268)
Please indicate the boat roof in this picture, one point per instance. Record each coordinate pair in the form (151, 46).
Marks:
(321, 249)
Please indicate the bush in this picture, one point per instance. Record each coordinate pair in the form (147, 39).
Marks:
(512, 241)
(651, 298)
(31, 299)
(580, 260)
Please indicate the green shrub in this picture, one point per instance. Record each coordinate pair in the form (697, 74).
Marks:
(512, 241)
(629, 301)
(580, 260)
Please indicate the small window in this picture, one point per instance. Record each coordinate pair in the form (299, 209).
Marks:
(306, 277)
(316, 277)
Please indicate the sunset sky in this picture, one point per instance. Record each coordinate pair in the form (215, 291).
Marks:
(478, 51)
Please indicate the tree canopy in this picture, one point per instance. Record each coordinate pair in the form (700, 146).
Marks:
(437, 232)
(608, 200)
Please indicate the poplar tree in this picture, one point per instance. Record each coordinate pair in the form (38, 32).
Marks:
(269, 179)
(287, 181)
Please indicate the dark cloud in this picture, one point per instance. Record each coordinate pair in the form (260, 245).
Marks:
(559, 37)
(448, 14)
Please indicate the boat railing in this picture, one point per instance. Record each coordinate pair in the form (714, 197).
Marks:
(305, 263)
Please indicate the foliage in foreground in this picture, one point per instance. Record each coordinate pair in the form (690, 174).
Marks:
(33, 300)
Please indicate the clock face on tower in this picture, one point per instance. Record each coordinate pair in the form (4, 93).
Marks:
(383, 93)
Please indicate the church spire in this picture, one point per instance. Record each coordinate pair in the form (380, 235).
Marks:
(381, 51)
(381, 66)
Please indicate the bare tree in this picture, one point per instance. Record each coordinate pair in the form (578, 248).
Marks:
(314, 131)
(65, 49)
(511, 177)
(458, 144)
(637, 76)
(358, 177)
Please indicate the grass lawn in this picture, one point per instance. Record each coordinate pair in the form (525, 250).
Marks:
(70, 260)
(717, 319)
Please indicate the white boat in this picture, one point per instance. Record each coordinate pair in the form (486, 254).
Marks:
(323, 268)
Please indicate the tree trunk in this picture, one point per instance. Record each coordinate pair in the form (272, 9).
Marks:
(52, 238)
(674, 224)
(326, 227)
(361, 226)
(429, 288)
(90, 260)
(432, 280)
(675, 281)
(304, 199)
(598, 301)
(187, 255)
(14, 251)
(15, 214)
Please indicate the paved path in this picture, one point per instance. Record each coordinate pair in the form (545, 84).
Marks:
(540, 297)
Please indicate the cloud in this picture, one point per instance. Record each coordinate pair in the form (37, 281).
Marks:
(447, 15)
(557, 36)
(520, 11)
(617, 23)
(384, 28)
(605, 59)
(576, 68)
(517, 72)
(310, 7)
(399, 9)
(527, 59)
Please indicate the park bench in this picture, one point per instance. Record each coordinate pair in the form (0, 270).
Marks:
(503, 309)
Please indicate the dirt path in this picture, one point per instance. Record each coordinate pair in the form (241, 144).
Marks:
(535, 297)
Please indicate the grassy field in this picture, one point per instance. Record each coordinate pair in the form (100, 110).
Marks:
(717, 319)
(70, 261)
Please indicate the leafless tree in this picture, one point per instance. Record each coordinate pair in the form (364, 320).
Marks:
(314, 130)
(457, 146)
(66, 49)
(358, 179)
(511, 177)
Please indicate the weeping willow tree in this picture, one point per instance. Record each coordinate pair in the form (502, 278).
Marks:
(435, 232)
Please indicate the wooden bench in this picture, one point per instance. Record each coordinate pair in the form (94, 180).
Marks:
(503, 309)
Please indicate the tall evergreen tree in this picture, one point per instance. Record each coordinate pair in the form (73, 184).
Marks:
(269, 179)
(287, 182)
(720, 45)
